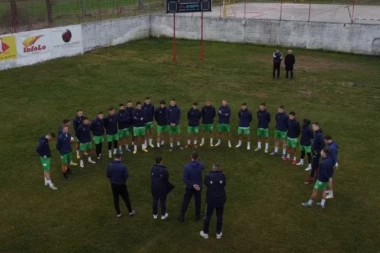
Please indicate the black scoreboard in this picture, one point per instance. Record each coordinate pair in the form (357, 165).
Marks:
(180, 6)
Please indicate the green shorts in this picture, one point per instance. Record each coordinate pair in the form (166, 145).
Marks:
(112, 137)
(66, 158)
(85, 146)
(149, 125)
(207, 127)
(174, 129)
(124, 133)
(76, 139)
(98, 139)
(263, 132)
(320, 186)
(139, 131)
(224, 128)
(307, 149)
(45, 163)
(192, 130)
(292, 143)
(162, 129)
(280, 134)
(244, 131)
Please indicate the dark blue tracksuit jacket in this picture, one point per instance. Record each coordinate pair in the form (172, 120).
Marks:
(159, 180)
(208, 114)
(83, 133)
(216, 194)
(245, 118)
(160, 116)
(123, 119)
(149, 112)
(224, 114)
(263, 119)
(139, 118)
(282, 121)
(194, 116)
(110, 124)
(43, 148)
(306, 135)
(326, 169)
(173, 115)
(333, 151)
(64, 144)
(319, 142)
(294, 129)
(77, 121)
(117, 173)
(130, 112)
(97, 127)
(192, 174)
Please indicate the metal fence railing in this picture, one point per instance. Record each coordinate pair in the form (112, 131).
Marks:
(24, 15)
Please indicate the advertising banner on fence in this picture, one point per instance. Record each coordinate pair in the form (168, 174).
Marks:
(33, 43)
(8, 50)
(66, 41)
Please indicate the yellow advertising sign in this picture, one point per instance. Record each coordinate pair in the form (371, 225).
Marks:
(8, 48)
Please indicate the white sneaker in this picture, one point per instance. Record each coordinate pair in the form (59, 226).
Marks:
(248, 147)
(299, 164)
(201, 144)
(219, 236)
(91, 161)
(330, 196)
(119, 215)
(320, 204)
(163, 217)
(211, 144)
(114, 151)
(266, 151)
(85, 153)
(155, 217)
(218, 143)
(257, 149)
(81, 164)
(308, 168)
(151, 145)
(46, 183)
(229, 144)
(205, 236)
(53, 187)
(238, 145)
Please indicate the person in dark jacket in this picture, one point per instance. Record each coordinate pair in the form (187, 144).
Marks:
(83, 133)
(192, 177)
(43, 150)
(63, 146)
(173, 115)
(77, 121)
(194, 115)
(97, 129)
(110, 124)
(66, 122)
(117, 174)
(123, 119)
(224, 114)
(131, 139)
(148, 108)
(215, 198)
(208, 115)
(282, 122)
(316, 147)
(333, 148)
(325, 173)
(139, 129)
(277, 58)
(160, 187)
(306, 138)
(294, 131)
(245, 119)
(162, 123)
(290, 60)
(263, 120)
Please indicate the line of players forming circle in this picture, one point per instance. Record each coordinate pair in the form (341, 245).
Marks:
(134, 125)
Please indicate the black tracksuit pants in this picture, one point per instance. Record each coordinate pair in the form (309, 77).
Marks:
(189, 192)
(162, 200)
(289, 69)
(276, 67)
(219, 217)
(120, 190)
(315, 165)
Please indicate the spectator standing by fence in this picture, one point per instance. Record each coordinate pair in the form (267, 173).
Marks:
(277, 58)
(290, 60)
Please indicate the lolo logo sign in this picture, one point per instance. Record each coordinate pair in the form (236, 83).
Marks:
(8, 48)
(31, 44)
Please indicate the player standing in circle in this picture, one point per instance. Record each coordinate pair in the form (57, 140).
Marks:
(294, 131)
(245, 119)
(110, 124)
(97, 128)
(44, 152)
(224, 114)
(148, 108)
(263, 120)
(77, 121)
(162, 123)
(123, 124)
(193, 116)
(282, 121)
(316, 147)
(173, 115)
(131, 138)
(208, 115)
(83, 133)
(139, 129)
(306, 138)
(333, 153)
(63, 146)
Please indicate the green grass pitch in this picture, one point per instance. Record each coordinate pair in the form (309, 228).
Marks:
(263, 212)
